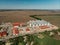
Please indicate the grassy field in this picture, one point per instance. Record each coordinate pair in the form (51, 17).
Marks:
(47, 40)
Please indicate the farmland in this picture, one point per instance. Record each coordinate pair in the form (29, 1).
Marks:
(21, 16)
(54, 19)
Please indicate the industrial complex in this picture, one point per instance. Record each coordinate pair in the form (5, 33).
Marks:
(11, 30)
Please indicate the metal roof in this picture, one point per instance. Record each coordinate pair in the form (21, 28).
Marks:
(38, 22)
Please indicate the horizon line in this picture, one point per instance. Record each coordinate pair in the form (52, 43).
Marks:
(29, 9)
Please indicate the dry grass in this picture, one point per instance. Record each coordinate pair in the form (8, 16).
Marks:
(53, 19)
(20, 16)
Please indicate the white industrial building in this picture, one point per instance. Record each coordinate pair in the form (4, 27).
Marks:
(33, 23)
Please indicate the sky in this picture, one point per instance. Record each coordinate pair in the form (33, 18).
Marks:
(29, 4)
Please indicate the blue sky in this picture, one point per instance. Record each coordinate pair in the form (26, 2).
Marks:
(29, 4)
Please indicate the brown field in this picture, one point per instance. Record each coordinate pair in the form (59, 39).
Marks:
(53, 19)
(23, 16)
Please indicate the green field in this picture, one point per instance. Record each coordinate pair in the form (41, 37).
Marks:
(47, 41)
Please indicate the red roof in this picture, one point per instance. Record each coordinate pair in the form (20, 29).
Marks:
(15, 31)
(27, 29)
(44, 27)
(16, 24)
(3, 33)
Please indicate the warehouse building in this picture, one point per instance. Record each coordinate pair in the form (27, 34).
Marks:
(34, 23)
